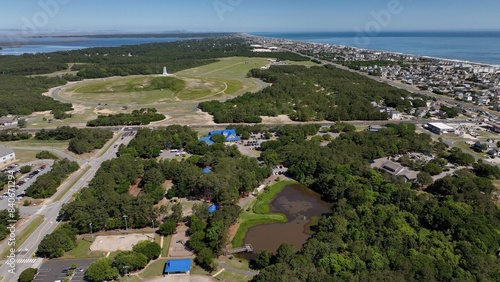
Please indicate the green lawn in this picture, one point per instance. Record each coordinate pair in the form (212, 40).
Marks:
(56, 144)
(238, 263)
(227, 275)
(82, 250)
(154, 269)
(166, 246)
(25, 156)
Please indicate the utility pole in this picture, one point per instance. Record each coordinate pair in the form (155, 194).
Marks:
(91, 234)
(125, 218)
(153, 223)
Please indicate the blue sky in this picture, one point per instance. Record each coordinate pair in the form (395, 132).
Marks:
(249, 15)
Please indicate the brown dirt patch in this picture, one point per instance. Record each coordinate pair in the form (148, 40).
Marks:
(134, 190)
(276, 120)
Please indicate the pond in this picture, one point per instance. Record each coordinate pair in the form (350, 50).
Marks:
(299, 204)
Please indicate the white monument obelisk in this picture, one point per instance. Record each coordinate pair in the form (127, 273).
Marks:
(165, 73)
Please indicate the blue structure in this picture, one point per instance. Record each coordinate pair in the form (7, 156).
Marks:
(177, 266)
(212, 208)
(207, 140)
(207, 170)
(229, 134)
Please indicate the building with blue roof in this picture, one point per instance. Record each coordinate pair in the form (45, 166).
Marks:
(212, 208)
(177, 266)
(207, 170)
(229, 134)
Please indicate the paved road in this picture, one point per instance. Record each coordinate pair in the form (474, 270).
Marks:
(50, 211)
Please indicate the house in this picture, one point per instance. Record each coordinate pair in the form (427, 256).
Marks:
(7, 155)
(482, 100)
(177, 266)
(229, 134)
(399, 170)
(395, 115)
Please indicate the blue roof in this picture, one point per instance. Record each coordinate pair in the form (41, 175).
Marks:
(207, 140)
(212, 208)
(207, 170)
(177, 265)
(229, 134)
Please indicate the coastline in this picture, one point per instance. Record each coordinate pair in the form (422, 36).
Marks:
(354, 48)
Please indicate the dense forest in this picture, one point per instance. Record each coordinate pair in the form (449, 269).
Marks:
(380, 229)
(107, 197)
(310, 94)
(82, 140)
(20, 94)
(5, 216)
(143, 116)
(46, 185)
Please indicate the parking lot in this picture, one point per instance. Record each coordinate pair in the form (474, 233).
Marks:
(54, 270)
(171, 154)
(23, 183)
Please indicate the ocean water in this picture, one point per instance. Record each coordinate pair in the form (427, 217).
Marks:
(53, 44)
(480, 47)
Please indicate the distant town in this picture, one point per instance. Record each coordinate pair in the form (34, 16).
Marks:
(478, 84)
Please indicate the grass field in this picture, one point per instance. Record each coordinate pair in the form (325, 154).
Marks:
(25, 156)
(60, 145)
(82, 250)
(221, 80)
(154, 269)
(227, 77)
(233, 277)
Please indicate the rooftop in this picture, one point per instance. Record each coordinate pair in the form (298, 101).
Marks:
(441, 126)
(5, 151)
(177, 265)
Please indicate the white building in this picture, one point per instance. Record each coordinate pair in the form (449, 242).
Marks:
(7, 155)
(439, 128)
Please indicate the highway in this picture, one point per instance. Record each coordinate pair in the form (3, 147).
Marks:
(50, 210)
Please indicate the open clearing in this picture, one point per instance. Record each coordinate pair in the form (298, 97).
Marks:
(118, 242)
(227, 77)
(221, 81)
